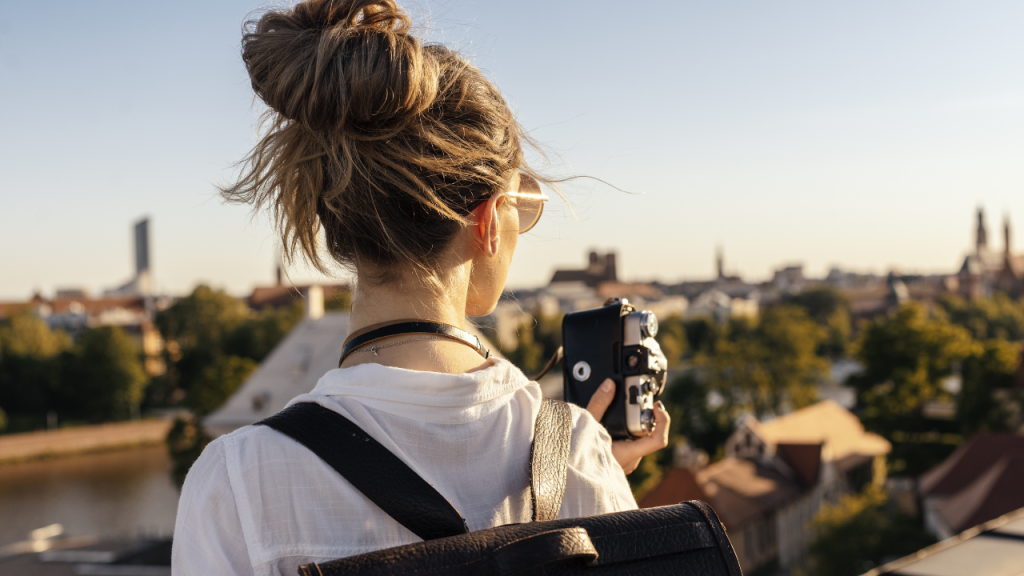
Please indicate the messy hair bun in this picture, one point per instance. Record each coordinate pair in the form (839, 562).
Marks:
(375, 137)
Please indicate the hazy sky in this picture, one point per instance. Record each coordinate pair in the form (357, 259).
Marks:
(860, 135)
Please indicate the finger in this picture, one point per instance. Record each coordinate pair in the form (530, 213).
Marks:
(602, 397)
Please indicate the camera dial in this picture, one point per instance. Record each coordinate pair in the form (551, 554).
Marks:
(647, 420)
(648, 324)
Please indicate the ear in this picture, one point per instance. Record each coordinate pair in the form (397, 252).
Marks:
(485, 227)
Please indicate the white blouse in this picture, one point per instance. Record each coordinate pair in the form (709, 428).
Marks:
(257, 502)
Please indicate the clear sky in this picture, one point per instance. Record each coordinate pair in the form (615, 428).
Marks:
(859, 134)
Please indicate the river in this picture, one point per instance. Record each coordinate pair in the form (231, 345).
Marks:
(124, 493)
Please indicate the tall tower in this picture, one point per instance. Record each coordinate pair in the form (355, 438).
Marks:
(143, 278)
(720, 262)
(981, 238)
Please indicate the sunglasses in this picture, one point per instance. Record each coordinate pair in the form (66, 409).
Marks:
(528, 202)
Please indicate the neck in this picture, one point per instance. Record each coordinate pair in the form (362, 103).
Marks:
(406, 300)
(414, 300)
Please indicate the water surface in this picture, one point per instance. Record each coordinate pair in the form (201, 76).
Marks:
(125, 493)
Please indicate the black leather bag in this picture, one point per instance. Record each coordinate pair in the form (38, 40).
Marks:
(684, 539)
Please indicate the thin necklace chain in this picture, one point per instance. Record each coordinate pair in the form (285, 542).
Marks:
(376, 349)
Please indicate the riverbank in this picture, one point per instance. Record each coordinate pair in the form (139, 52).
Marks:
(81, 440)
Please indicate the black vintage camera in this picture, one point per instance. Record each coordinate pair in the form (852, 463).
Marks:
(615, 341)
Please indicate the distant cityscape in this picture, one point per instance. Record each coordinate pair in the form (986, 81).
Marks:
(983, 270)
(779, 428)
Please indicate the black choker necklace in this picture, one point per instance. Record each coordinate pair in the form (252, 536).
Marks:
(387, 329)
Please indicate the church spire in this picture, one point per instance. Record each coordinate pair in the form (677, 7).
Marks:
(1006, 236)
(981, 239)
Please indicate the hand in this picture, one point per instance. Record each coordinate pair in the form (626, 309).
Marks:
(629, 452)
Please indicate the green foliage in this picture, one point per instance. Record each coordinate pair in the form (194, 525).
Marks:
(536, 343)
(906, 356)
(992, 366)
(831, 310)
(30, 364)
(217, 382)
(672, 338)
(704, 425)
(255, 337)
(25, 335)
(340, 302)
(998, 317)
(102, 377)
(210, 333)
(185, 442)
(701, 334)
(767, 365)
(858, 534)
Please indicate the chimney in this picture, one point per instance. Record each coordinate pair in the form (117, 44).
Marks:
(314, 302)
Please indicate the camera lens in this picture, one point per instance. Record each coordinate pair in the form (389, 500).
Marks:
(649, 324)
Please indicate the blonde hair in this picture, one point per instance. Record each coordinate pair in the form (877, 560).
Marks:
(379, 139)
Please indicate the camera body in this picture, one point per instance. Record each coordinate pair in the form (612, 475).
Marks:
(615, 341)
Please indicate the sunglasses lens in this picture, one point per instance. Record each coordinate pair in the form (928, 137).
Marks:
(529, 212)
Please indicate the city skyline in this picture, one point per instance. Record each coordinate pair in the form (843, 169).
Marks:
(858, 136)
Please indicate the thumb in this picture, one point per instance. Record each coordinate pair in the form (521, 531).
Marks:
(602, 397)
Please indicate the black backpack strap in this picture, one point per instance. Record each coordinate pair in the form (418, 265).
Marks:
(549, 458)
(371, 468)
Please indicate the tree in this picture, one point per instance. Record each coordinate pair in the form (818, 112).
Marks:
(102, 377)
(185, 442)
(906, 357)
(208, 328)
(217, 382)
(858, 534)
(672, 338)
(831, 310)
(537, 342)
(195, 329)
(701, 335)
(257, 335)
(765, 366)
(29, 364)
(991, 367)
(998, 317)
(698, 416)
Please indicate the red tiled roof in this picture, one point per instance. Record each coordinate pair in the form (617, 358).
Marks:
(969, 461)
(678, 485)
(282, 295)
(737, 489)
(91, 306)
(804, 459)
(998, 491)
